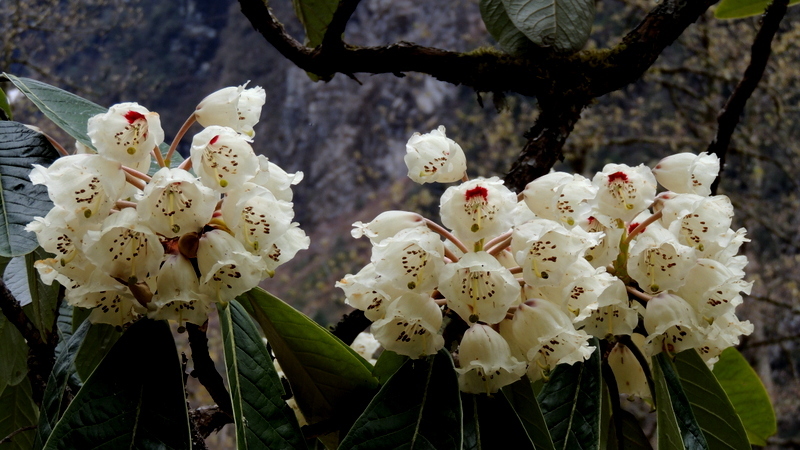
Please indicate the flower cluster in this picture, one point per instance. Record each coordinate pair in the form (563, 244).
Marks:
(168, 245)
(536, 276)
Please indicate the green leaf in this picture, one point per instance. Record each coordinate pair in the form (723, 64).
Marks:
(17, 411)
(388, 363)
(677, 427)
(736, 9)
(561, 24)
(418, 408)
(328, 378)
(491, 420)
(747, 394)
(53, 396)
(315, 15)
(502, 29)
(38, 300)
(69, 111)
(262, 417)
(714, 412)
(21, 200)
(5, 106)
(13, 354)
(134, 399)
(571, 403)
(632, 434)
(521, 397)
(99, 340)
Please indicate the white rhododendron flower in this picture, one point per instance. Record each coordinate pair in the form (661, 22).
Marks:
(658, 262)
(486, 363)
(687, 173)
(387, 224)
(168, 245)
(174, 203)
(623, 191)
(127, 133)
(478, 287)
(672, 323)
(432, 157)
(478, 209)
(369, 292)
(410, 326)
(222, 158)
(561, 197)
(234, 107)
(84, 185)
(411, 258)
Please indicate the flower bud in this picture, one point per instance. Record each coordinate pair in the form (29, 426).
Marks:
(485, 360)
(687, 173)
(432, 157)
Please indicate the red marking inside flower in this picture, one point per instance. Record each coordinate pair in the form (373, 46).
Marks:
(633, 226)
(478, 191)
(213, 140)
(133, 116)
(591, 220)
(621, 176)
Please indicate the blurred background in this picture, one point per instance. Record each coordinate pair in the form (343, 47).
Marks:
(349, 138)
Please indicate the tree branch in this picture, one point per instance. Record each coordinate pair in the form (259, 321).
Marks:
(759, 55)
(204, 369)
(209, 419)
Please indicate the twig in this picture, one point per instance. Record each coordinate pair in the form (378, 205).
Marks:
(16, 432)
(435, 227)
(759, 55)
(184, 128)
(204, 369)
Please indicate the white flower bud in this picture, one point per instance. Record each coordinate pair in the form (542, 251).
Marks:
(432, 157)
(234, 107)
(387, 224)
(485, 360)
(687, 173)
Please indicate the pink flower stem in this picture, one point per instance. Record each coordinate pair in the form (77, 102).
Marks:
(497, 239)
(638, 294)
(639, 228)
(134, 181)
(60, 148)
(186, 164)
(189, 122)
(159, 157)
(142, 176)
(125, 204)
(502, 245)
(450, 255)
(515, 270)
(435, 227)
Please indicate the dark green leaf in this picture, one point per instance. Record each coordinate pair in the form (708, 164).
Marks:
(714, 412)
(736, 9)
(488, 421)
(388, 363)
(5, 106)
(63, 369)
(262, 417)
(17, 411)
(418, 408)
(99, 340)
(747, 394)
(315, 15)
(327, 377)
(520, 396)
(20, 147)
(78, 316)
(13, 354)
(570, 403)
(502, 29)
(632, 434)
(134, 399)
(561, 24)
(677, 427)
